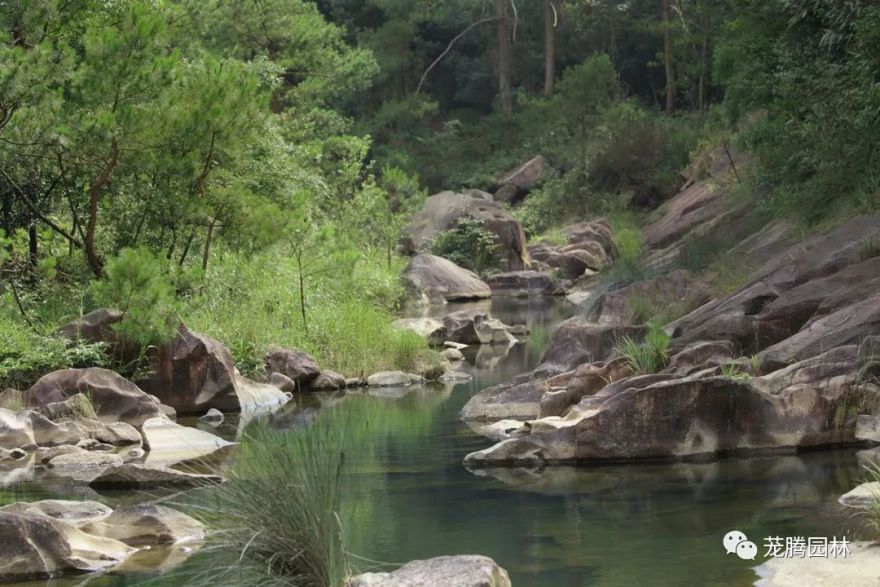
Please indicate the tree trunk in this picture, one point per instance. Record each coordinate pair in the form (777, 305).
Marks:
(704, 70)
(94, 195)
(668, 57)
(33, 248)
(207, 253)
(505, 55)
(302, 289)
(551, 19)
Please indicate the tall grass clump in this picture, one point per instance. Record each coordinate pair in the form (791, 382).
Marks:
(279, 519)
(651, 355)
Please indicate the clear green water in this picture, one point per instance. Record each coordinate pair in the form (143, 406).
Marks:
(657, 524)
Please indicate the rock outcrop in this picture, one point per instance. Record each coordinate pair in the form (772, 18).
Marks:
(522, 283)
(442, 211)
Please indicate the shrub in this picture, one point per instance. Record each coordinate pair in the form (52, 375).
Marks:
(471, 245)
(137, 284)
(25, 356)
(651, 355)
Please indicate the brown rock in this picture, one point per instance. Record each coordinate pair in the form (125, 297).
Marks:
(113, 397)
(435, 279)
(296, 365)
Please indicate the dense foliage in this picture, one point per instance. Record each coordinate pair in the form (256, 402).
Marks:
(248, 168)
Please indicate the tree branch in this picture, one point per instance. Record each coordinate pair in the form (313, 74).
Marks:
(33, 208)
(449, 48)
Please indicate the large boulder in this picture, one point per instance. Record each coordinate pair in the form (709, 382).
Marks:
(146, 525)
(514, 185)
(98, 326)
(476, 327)
(297, 365)
(16, 430)
(434, 279)
(192, 373)
(518, 399)
(811, 403)
(113, 397)
(442, 212)
(577, 341)
(36, 546)
(448, 571)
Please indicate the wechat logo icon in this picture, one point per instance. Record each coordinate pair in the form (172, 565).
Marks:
(735, 542)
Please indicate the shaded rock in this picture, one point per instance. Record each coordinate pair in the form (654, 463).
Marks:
(847, 325)
(522, 283)
(94, 445)
(431, 279)
(85, 460)
(514, 185)
(148, 524)
(113, 397)
(392, 379)
(296, 365)
(40, 547)
(213, 416)
(442, 212)
(863, 496)
(192, 373)
(449, 571)
(328, 381)
(134, 476)
(429, 328)
(588, 379)
(97, 326)
(860, 568)
(699, 355)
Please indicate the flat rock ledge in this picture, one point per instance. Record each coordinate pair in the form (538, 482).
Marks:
(448, 571)
(861, 568)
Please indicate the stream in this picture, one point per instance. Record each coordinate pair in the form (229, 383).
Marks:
(656, 524)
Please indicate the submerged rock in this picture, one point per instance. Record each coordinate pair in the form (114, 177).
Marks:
(449, 571)
(213, 416)
(476, 327)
